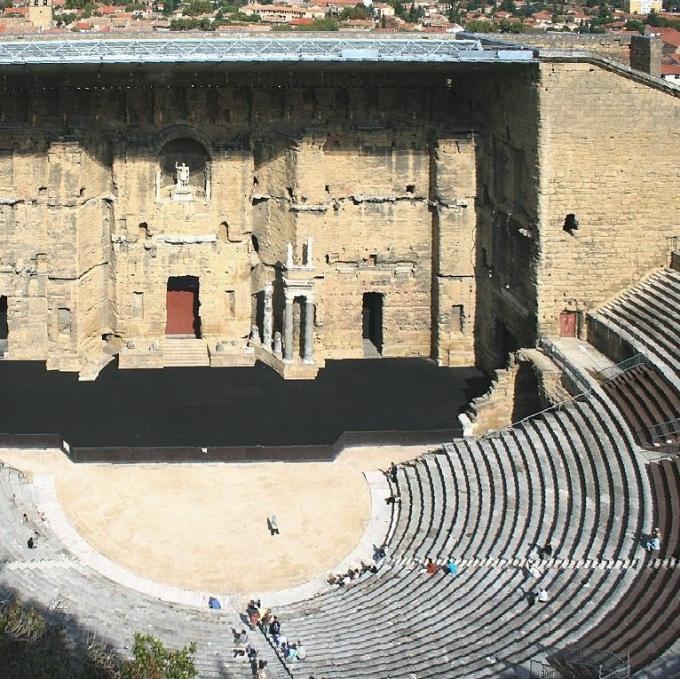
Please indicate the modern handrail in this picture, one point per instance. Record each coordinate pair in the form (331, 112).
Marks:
(623, 366)
(661, 431)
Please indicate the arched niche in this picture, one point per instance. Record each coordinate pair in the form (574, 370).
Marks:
(184, 171)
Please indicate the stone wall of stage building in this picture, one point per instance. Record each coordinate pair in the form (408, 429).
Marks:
(208, 238)
(503, 109)
(362, 196)
(54, 251)
(388, 212)
(609, 155)
(377, 169)
(454, 191)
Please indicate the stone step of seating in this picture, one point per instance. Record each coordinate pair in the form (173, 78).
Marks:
(634, 336)
(400, 616)
(345, 607)
(484, 617)
(181, 353)
(629, 487)
(653, 321)
(647, 319)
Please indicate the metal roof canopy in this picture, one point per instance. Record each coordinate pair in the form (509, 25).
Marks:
(255, 50)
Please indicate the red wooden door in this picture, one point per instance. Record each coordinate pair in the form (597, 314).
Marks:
(568, 324)
(180, 306)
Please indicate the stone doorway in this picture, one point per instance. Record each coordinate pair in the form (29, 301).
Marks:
(568, 323)
(372, 324)
(4, 328)
(182, 305)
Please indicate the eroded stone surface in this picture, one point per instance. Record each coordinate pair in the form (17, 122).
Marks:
(446, 196)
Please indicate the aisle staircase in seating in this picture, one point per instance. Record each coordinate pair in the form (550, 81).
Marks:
(646, 401)
(184, 353)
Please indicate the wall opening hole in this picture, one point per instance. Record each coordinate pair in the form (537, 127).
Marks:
(4, 328)
(372, 324)
(570, 223)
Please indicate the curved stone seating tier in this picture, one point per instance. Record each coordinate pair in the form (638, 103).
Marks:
(88, 604)
(647, 315)
(568, 476)
(475, 624)
(647, 621)
(644, 398)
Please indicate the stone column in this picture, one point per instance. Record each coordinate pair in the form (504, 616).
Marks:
(268, 321)
(308, 354)
(288, 327)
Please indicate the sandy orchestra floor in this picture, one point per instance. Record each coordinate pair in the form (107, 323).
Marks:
(204, 526)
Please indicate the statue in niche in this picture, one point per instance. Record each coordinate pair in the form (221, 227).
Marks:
(183, 174)
(182, 192)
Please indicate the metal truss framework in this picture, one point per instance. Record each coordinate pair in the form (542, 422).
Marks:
(273, 50)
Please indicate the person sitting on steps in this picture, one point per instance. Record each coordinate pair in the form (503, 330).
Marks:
(654, 542)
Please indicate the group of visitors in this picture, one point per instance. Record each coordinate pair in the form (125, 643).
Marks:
(253, 613)
(449, 568)
(341, 579)
(270, 625)
(545, 552)
(243, 650)
(289, 651)
(32, 542)
(352, 574)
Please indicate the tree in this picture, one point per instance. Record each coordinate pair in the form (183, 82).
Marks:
(65, 18)
(359, 11)
(479, 26)
(512, 26)
(196, 7)
(414, 14)
(325, 24)
(634, 25)
(653, 19)
(203, 24)
(151, 660)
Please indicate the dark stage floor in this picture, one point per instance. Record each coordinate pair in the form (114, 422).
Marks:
(233, 406)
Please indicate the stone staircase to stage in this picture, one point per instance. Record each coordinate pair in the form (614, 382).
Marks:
(184, 353)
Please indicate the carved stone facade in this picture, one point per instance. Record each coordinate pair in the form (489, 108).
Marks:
(433, 203)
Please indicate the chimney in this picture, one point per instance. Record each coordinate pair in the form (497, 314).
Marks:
(645, 54)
